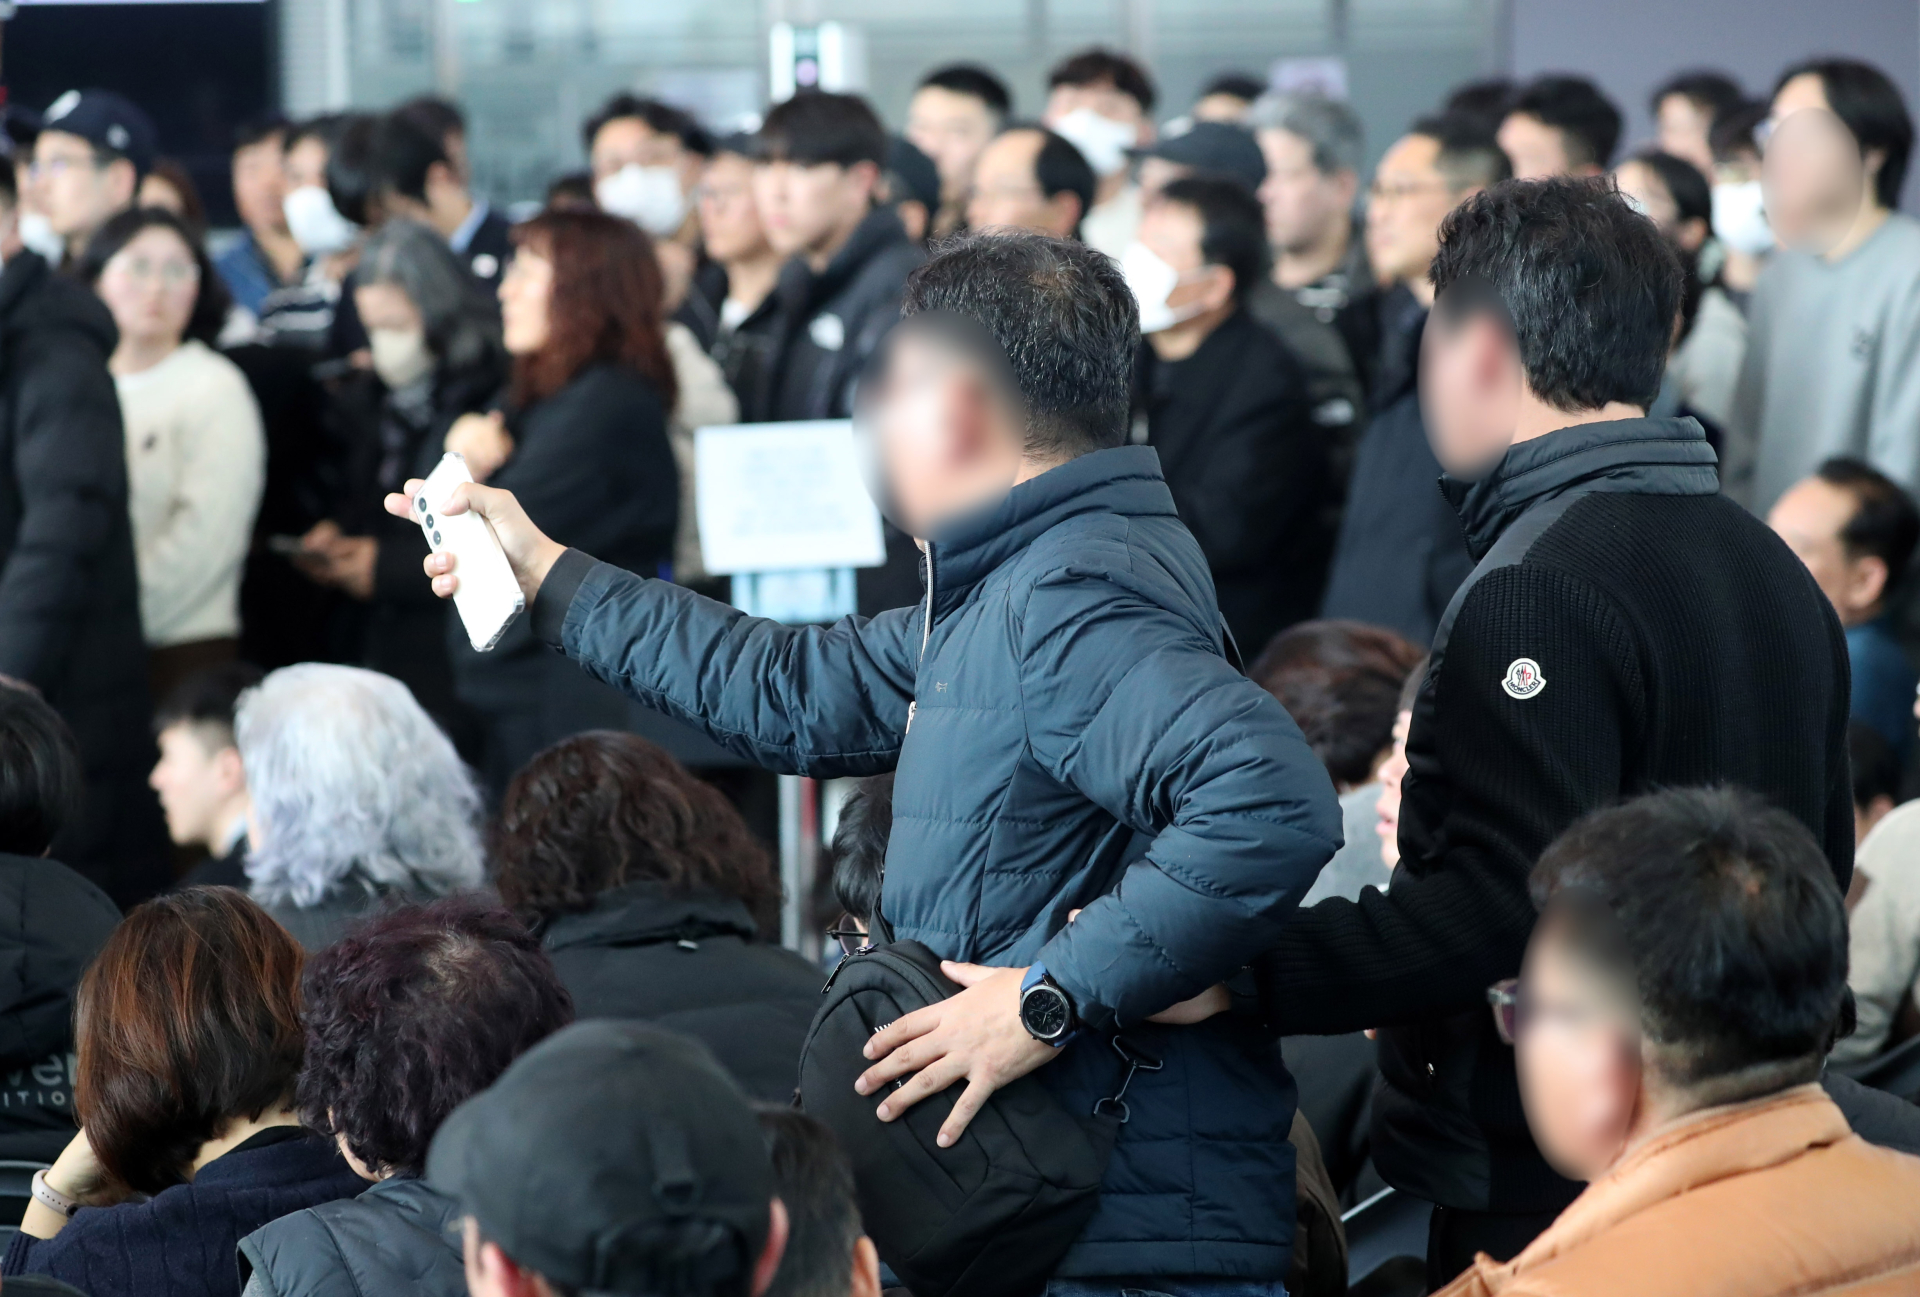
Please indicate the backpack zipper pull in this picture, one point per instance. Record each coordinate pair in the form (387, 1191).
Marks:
(912, 707)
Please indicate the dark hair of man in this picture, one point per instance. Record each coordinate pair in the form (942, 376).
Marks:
(1691, 192)
(813, 1177)
(974, 81)
(1105, 67)
(207, 699)
(1236, 85)
(815, 128)
(436, 116)
(39, 772)
(1872, 108)
(572, 192)
(1470, 157)
(661, 119)
(1060, 168)
(188, 1019)
(1713, 92)
(1233, 228)
(1885, 522)
(1341, 682)
(1728, 915)
(400, 155)
(1590, 285)
(1733, 130)
(259, 129)
(603, 809)
(859, 847)
(1063, 315)
(1588, 122)
(211, 301)
(351, 180)
(1483, 101)
(1876, 769)
(414, 1012)
(9, 185)
(325, 127)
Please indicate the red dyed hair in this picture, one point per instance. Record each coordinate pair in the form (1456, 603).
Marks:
(607, 297)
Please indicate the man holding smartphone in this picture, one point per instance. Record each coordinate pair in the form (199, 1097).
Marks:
(1068, 734)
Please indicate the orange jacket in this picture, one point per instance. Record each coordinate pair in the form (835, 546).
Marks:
(1759, 1199)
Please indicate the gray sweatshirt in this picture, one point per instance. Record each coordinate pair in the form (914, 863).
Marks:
(1832, 367)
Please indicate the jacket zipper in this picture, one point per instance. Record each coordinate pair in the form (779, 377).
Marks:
(926, 633)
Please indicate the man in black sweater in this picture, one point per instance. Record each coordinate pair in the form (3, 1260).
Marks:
(1626, 628)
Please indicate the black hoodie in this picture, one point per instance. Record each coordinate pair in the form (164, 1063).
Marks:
(69, 592)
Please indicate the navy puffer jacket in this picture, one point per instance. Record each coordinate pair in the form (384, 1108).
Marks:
(1067, 733)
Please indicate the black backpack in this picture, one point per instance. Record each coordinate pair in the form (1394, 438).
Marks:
(993, 1215)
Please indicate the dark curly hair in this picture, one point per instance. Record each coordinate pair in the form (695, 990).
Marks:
(210, 304)
(603, 809)
(412, 1013)
(1341, 683)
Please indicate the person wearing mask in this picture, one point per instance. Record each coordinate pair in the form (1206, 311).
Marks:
(741, 270)
(1711, 337)
(415, 180)
(1029, 178)
(583, 443)
(1560, 126)
(265, 256)
(1226, 406)
(953, 114)
(301, 315)
(356, 798)
(188, 1034)
(199, 776)
(1684, 109)
(52, 925)
(437, 356)
(1686, 1091)
(1855, 529)
(93, 150)
(1313, 147)
(407, 1017)
(1102, 103)
(1740, 227)
(670, 1177)
(1228, 98)
(1084, 703)
(828, 1253)
(1848, 386)
(69, 585)
(650, 892)
(196, 455)
(1626, 628)
(1400, 556)
(647, 158)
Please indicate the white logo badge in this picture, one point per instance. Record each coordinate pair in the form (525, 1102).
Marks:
(1523, 679)
(485, 265)
(829, 332)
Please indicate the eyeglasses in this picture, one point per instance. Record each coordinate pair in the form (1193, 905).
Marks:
(852, 937)
(170, 274)
(1515, 1012)
(1380, 193)
(59, 166)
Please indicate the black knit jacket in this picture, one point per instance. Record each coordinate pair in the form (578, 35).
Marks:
(1636, 630)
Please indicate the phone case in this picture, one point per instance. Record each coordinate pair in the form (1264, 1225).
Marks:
(488, 597)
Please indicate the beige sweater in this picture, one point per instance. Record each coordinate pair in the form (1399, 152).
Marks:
(196, 462)
(1883, 947)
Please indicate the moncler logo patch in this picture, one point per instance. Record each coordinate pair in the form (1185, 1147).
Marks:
(1523, 679)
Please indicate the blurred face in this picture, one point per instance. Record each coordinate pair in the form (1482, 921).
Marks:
(1470, 387)
(1111, 103)
(72, 189)
(951, 129)
(526, 301)
(629, 141)
(150, 286)
(198, 781)
(1579, 1060)
(387, 306)
(1405, 206)
(729, 222)
(1393, 773)
(1644, 188)
(158, 191)
(1173, 232)
(1536, 149)
(1303, 204)
(306, 164)
(1814, 180)
(1684, 127)
(1006, 194)
(943, 436)
(808, 209)
(259, 183)
(1810, 518)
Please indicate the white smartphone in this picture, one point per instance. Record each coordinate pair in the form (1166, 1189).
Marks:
(487, 596)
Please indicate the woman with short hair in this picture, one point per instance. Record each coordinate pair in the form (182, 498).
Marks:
(189, 1038)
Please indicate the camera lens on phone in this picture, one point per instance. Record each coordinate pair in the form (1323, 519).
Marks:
(420, 503)
(436, 538)
(429, 520)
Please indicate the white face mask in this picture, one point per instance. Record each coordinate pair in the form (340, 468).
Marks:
(1102, 141)
(36, 231)
(1740, 218)
(1153, 281)
(650, 197)
(315, 223)
(400, 356)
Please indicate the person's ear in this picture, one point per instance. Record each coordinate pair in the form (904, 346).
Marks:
(776, 1247)
(866, 1268)
(1346, 183)
(1871, 163)
(229, 770)
(439, 176)
(1692, 234)
(122, 181)
(1867, 581)
(1064, 213)
(865, 177)
(1218, 290)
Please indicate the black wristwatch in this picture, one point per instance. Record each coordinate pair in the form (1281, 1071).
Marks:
(1046, 1011)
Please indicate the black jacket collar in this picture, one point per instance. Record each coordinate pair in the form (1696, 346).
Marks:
(806, 291)
(645, 913)
(1620, 456)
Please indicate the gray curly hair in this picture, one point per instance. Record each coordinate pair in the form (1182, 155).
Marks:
(352, 785)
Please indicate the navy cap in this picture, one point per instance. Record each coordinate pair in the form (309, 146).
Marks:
(1216, 149)
(916, 172)
(613, 1157)
(106, 121)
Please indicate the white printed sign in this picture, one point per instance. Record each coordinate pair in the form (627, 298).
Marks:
(773, 497)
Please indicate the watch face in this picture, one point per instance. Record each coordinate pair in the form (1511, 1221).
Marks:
(1044, 1011)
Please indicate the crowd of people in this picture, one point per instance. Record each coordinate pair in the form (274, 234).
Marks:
(1376, 681)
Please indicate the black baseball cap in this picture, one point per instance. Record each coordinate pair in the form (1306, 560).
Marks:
(1216, 149)
(106, 121)
(916, 172)
(614, 1157)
